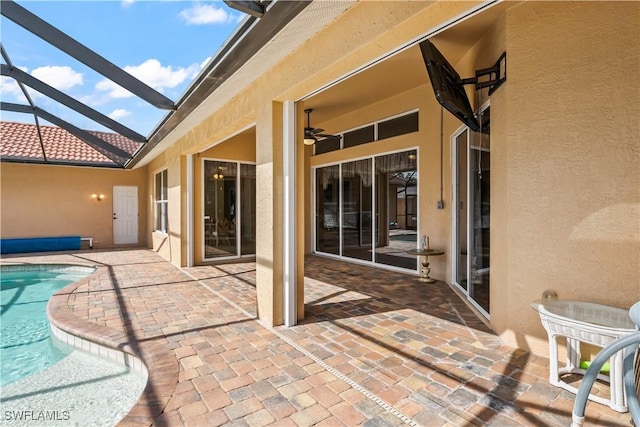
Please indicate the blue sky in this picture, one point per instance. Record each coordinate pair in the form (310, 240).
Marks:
(163, 43)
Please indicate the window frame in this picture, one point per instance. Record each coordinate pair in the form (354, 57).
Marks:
(376, 137)
(161, 204)
(375, 208)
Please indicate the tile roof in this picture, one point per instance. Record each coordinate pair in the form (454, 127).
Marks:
(19, 141)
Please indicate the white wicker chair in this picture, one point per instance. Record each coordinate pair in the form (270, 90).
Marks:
(629, 345)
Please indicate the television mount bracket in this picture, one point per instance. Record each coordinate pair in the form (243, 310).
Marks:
(497, 74)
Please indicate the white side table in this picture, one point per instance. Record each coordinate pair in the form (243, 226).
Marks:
(590, 323)
(426, 253)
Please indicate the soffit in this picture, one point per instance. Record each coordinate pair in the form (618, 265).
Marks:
(306, 24)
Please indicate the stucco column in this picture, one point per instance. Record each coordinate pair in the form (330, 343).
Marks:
(269, 208)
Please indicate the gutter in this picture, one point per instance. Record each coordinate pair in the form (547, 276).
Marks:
(252, 36)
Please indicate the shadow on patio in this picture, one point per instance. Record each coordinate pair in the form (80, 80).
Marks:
(376, 348)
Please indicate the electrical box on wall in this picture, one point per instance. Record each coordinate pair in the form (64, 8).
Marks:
(440, 204)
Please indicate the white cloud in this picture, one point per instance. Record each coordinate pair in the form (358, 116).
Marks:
(113, 90)
(202, 14)
(11, 92)
(127, 3)
(120, 113)
(61, 78)
(9, 87)
(152, 73)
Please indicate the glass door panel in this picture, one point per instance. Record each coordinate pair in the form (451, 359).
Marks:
(396, 209)
(327, 209)
(219, 209)
(472, 218)
(461, 216)
(480, 218)
(356, 210)
(247, 209)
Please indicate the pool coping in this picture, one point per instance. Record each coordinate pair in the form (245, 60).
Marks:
(160, 363)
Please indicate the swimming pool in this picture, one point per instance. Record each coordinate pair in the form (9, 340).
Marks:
(27, 346)
(46, 381)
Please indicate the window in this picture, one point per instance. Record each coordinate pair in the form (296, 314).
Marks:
(161, 202)
(327, 145)
(396, 126)
(359, 136)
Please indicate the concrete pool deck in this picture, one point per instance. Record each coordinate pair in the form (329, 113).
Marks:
(374, 349)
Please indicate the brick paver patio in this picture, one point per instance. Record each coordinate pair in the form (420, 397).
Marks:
(377, 348)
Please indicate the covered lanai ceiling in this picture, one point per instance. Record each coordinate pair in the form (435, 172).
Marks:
(377, 82)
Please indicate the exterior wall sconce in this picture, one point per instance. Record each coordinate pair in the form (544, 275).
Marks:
(97, 197)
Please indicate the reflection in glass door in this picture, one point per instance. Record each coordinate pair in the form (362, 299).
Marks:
(229, 209)
(396, 209)
(247, 220)
(368, 209)
(356, 209)
(461, 217)
(472, 217)
(327, 209)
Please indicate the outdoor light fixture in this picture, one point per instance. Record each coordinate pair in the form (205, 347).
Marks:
(313, 135)
(97, 197)
(309, 138)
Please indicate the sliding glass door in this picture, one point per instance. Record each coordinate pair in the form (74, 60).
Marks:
(461, 217)
(357, 225)
(247, 209)
(327, 210)
(396, 209)
(367, 209)
(472, 216)
(229, 209)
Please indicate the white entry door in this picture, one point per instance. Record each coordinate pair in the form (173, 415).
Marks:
(125, 215)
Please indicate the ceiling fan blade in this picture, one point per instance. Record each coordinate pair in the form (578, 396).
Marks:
(323, 137)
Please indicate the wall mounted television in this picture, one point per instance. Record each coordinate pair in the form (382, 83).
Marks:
(447, 85)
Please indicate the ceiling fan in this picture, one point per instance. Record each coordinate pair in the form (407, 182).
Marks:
(313, 135)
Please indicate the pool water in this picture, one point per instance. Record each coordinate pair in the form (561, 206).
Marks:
(27, 346)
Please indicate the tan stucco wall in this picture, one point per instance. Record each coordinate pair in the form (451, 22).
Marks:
(566, 211)
(48, 200)
(269, 208)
